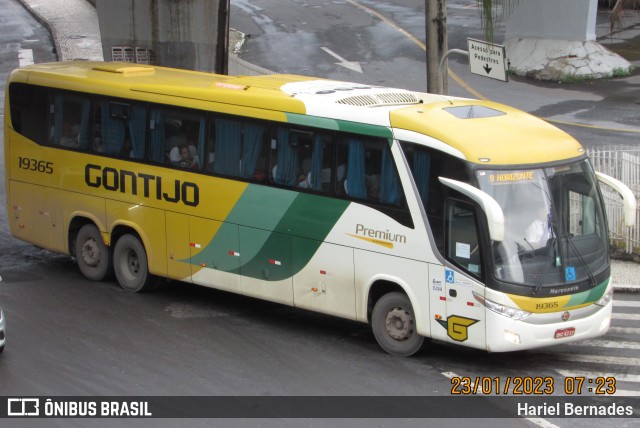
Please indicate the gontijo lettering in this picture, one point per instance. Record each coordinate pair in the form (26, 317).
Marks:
(128, 181)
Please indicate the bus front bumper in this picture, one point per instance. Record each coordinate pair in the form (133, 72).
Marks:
(538, 330)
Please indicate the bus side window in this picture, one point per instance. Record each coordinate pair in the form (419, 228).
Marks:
(320, 171)
(70, 120)
(118, 129)
(177, 137)
(134, 146)
(426, 166)
(371, 173)
(285, 165)
(302, 158)
(237, 148)
(29, 108)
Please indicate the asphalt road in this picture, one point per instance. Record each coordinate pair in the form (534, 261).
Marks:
(70, 336)
(387, 40)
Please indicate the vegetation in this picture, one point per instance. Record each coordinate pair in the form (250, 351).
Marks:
(619, 6)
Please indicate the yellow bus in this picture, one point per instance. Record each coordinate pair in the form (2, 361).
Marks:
(425, 216)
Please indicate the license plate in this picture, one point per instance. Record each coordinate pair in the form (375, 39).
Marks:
(565, 332)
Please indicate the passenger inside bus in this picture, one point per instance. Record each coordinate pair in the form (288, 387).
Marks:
(187, 156)
(69, 137)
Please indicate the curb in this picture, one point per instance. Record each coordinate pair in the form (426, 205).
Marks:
(45, 23)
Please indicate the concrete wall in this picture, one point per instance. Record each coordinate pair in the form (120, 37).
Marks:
(172, 33)
(553, 19)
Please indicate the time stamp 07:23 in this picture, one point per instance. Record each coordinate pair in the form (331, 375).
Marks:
(529, 385)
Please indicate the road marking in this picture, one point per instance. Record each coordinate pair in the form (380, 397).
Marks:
(618, 316)
(390, 22)
(608, 344)
(418, 43)
(620, 377)
(629, 330)
(464, 84)
(543, 423)
(626, 303)
(584, 125)
(624, 393)
(25, 57)
(351, 65)
(598, 359)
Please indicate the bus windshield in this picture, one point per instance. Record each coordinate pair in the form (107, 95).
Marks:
(555, 232)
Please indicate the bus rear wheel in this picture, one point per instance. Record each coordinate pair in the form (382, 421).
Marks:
(131, 266)
(393, 325)
(92, 255)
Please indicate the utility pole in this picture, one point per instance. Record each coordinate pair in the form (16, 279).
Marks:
(436, 29)
(222, 45)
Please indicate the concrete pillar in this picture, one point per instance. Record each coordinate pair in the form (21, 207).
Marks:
(189, 34)
(553, 19)
(555, 40)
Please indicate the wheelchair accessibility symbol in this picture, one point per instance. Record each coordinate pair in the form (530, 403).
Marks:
(570, 273)
(449, 276)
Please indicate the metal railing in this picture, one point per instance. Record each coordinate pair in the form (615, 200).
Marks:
(622, 163)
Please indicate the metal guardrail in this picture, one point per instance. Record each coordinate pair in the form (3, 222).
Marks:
(622, 163)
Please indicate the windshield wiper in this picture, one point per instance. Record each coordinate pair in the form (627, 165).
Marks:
(592, 278)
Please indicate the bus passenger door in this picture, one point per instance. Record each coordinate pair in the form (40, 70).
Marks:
(215, 254)
(266, 265)
(465, 315)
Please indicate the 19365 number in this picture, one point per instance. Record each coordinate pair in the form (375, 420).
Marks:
(35, 165)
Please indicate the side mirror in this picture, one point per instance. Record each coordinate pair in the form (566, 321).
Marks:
(491, 208)
(628, 198)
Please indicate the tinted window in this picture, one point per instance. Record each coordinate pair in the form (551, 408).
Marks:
(29, 108)
(177, 137)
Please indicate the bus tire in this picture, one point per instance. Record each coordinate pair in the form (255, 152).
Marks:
(131, 266)
(393, 325)
(92, 255)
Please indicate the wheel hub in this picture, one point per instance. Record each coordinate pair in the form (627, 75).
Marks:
(90, 253)
(133, 262)
(399, 324)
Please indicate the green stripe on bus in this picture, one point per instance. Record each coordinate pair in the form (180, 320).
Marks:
(277, 217)
(588, 296)
(309, 216)
(340, 125)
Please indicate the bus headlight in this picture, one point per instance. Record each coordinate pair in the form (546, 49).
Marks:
(604, 300)
(507, 311)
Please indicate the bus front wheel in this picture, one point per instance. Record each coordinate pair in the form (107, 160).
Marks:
(92, 255)
(393, 325)
(130, 265)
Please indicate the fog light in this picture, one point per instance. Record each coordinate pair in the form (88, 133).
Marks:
(604, 325)
(512, 337)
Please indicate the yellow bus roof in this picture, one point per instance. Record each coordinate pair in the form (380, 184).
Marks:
(506, 136)
(483, 131)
